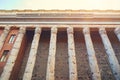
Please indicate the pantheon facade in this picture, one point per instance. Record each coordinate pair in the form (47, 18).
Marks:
(59, 45)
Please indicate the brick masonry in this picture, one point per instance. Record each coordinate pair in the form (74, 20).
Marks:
(61, 65)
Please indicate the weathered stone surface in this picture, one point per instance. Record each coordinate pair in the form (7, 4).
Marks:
(102, 60)
(29, 36)
(61, 59)
(115, 43)
(83, 68)
(39, 72)
(71, 54)
(51, 58)
(13, 55)
(91, 55)
(117, 32)
(110, 53)
(3, 36)
(32, 55)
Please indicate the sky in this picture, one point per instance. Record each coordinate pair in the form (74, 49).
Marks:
(60, 4)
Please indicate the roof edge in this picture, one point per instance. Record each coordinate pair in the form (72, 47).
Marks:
(56, 10)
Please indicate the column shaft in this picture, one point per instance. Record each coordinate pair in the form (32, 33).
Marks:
(71, 54)
(91, 55)
(51, 57)
(110, 53)
(13, 55)
(3, 36)
(32, 55)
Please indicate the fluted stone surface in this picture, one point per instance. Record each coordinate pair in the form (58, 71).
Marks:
(32, 55)
(13, 55)
(71, 54)
(3, 36)
(110, 53)
(50, 75)
(91, 55)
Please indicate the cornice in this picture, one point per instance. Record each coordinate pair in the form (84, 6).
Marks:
(60, 17)
(55, 10)
(60, 13)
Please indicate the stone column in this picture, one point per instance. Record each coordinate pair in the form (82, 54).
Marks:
(117, 32)
(32, 55)
(71, 54)
(110, 53)
(51, 57)
(91, 55)
(13, 55)
(3, 36)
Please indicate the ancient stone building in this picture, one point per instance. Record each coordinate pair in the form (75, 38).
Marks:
(59, 45)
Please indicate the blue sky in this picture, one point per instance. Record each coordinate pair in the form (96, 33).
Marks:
(60, 4)
(9, 4)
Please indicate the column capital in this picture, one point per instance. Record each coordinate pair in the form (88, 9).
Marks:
(54, 30)
(22, 30)
(7, 28)
(70, 30)
(102, 30)
(117, 30)
(86, 30)
(37, 30)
